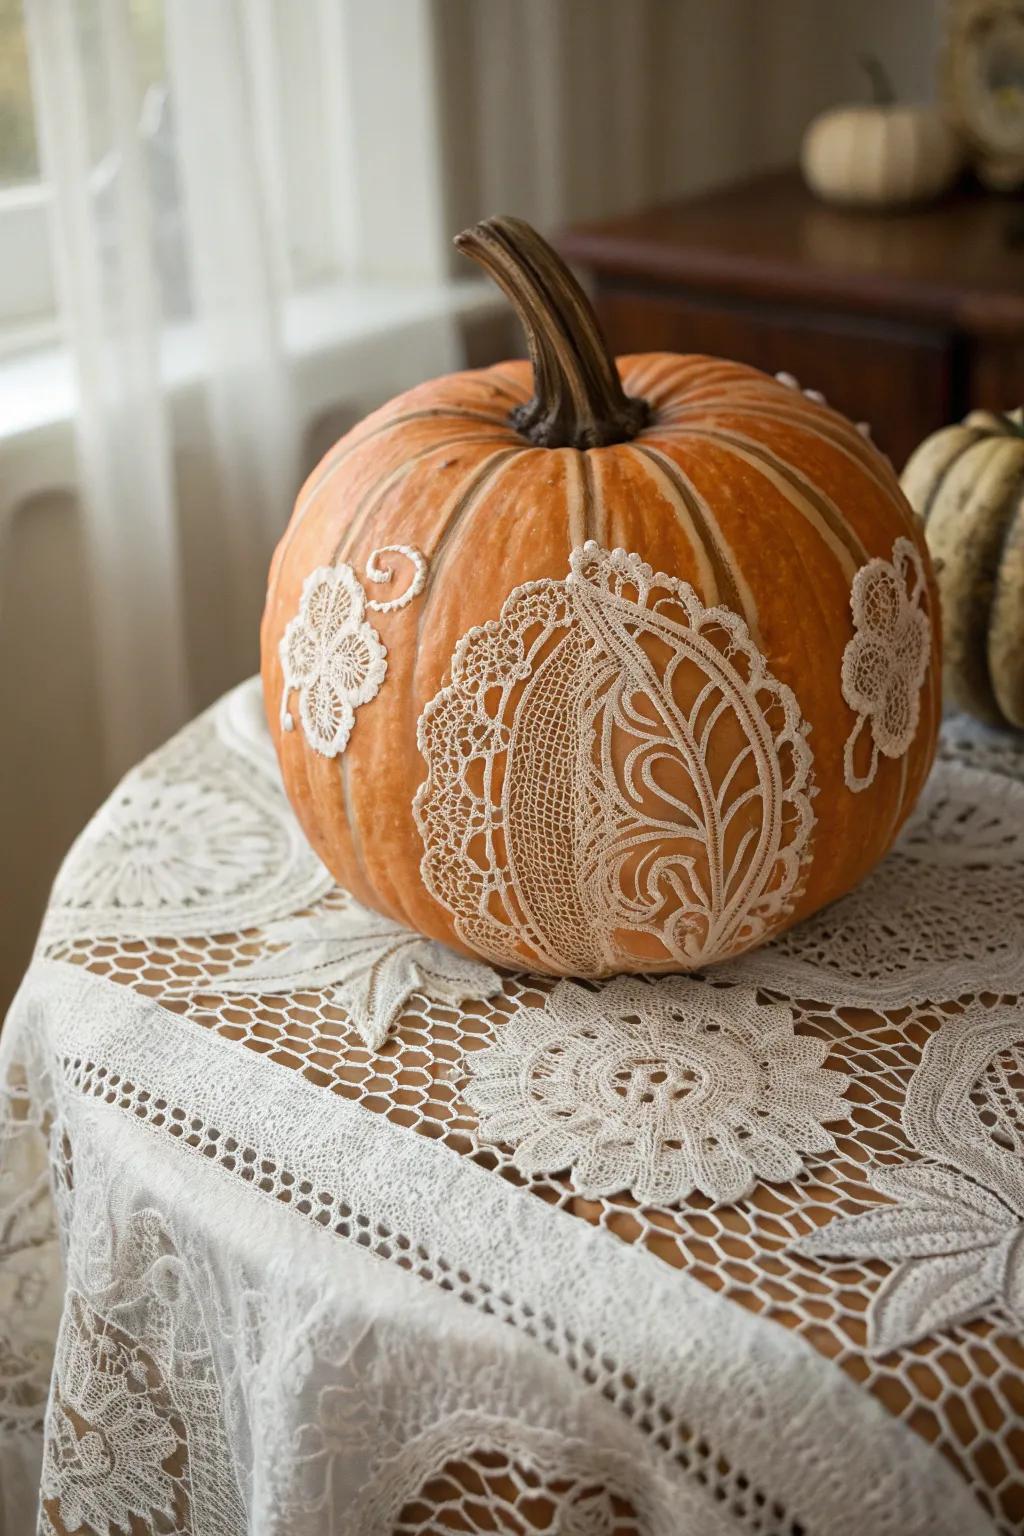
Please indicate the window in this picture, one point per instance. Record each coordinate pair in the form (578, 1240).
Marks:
(26, 284)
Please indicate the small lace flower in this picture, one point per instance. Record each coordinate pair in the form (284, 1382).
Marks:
(957, 1249)
(332, 656)
(885, 662)
(658, 1089)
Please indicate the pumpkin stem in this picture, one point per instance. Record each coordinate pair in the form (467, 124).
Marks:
(883, 92)
(578, 399)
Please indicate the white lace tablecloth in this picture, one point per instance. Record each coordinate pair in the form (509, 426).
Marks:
(307, 1225)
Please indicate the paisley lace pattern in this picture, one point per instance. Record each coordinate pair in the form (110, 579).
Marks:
(304, 1257)
(614, 779)
(885, 663)
(657, 1089)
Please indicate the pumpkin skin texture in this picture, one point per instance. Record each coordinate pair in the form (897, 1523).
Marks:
(732, 491)
(967, 483)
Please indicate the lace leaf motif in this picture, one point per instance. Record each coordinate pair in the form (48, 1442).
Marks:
(955, 1234)
(614, 779)
(372, 966)
(956, 1249)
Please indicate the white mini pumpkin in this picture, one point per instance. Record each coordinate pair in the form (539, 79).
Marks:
(880, 155)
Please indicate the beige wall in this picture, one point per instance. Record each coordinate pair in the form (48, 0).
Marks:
(725, 86)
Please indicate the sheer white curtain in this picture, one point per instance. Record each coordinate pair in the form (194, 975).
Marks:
(148, 147)
(208, 160)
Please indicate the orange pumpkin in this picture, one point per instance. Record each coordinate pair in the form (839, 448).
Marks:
(587, 666)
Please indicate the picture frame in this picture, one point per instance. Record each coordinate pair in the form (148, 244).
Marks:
(983, 86)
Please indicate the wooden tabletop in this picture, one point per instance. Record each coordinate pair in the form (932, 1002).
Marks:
(959, 261)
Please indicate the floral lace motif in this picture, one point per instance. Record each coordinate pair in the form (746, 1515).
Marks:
(885, 663)
(106, 1438)
(955, 1235)
(658, 1089)
(368, 965)
(137, 1421)
(332, 655)
(196, 844)
(188, 838)
(614, 779)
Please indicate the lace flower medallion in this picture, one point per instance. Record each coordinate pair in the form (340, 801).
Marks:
(885, 662)
(615, 781)
(658, 1089)
(332, 656)
(156, 847)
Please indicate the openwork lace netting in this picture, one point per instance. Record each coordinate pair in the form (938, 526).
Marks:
(913, 1060)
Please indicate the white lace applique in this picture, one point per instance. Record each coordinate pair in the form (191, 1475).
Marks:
(332, 655)
(614, 779)
(956, 1249)
(382, 573)
(188, 843)
(955, 1235)
(107, 1439)
(943, 914)
(885, 663)
(656, 1088)
(815, 395)
(371, 965)
(791, 382)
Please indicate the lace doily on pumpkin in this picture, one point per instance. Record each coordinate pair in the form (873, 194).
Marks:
(550, 855)
(885, 663)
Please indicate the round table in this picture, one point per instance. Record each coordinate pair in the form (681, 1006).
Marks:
(309, 1225)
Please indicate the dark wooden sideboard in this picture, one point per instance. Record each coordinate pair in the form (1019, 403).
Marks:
(904, 319)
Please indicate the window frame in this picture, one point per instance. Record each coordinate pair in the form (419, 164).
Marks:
(28, 301)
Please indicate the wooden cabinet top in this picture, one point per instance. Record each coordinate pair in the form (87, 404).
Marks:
(958, 262)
